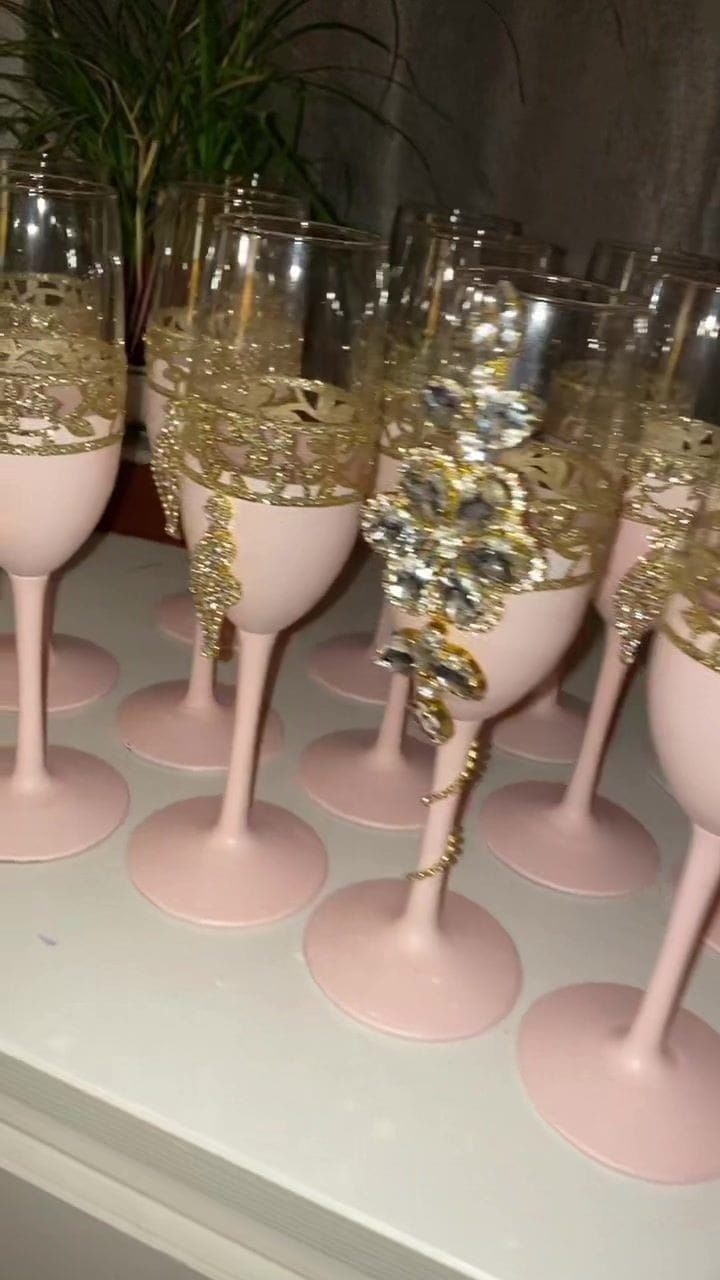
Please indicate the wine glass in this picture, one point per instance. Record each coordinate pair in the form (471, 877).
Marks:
(633, 268)
(61, 383)
(631, 1077)
(380, 778)
(491, 543)
(570, 838)
(433, 251)
(185, 224)
(79, 672)
(278, 446)
(186, 725)
(550, 725)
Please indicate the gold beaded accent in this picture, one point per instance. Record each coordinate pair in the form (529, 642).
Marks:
(213, 584)
(453, 853)
(454, 846)
(455, 787)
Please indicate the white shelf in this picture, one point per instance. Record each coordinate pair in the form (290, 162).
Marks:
(181, 1071)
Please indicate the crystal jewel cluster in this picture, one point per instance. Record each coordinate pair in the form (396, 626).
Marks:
(455, 535)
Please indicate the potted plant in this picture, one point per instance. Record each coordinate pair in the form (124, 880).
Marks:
(149, 92)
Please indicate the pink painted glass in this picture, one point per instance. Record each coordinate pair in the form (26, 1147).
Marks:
(550, 726)
(570, 838)
(415, 958)
(62, 383)
(633, 1078)
(428, 248)
(379, 779)
(278, 439)
(186, 725)
(78, 671)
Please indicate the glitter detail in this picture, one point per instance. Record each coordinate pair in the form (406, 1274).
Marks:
(280, 440)
(165, 463)
(61, 385)
(693, 622)
(213, 585)
(644, 591)
(456, 518)
(674, 452)
(417, 409)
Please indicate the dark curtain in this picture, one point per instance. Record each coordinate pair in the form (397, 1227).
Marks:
(610, 126)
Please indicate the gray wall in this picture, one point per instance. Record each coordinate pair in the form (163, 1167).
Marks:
(618, 134)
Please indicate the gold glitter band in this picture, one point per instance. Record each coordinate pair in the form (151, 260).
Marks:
(213, 584)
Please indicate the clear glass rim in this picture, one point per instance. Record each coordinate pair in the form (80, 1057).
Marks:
(328, 234)
(468, 234)
(55, 185)
(615, 300)
(233, 186)
(652, 250)
(709, 281)
(456, 214)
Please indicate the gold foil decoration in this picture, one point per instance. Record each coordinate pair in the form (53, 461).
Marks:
(165, 463)
(61, 385)
(694, 626)
(213, 585)
(644, 591)
(284, 441)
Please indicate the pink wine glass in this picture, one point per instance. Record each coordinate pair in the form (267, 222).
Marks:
(278, 444)
(478, 551)
(570, 838)
(380, 779)
(550, 726)
(412, 957)
(186, 725)
(428, 247)
(78, 671)
(631, 1077)
(60, 439)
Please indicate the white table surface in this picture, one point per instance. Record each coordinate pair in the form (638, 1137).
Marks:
(209, 1062)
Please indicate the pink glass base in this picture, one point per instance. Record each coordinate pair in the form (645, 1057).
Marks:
(79, 672)
(446, 985)
(552, 734)
(606, 854)
(344, 774)
(344, 666)
(659, 1120)
(83, 801)
(178, 862)
(175, 615)
(157, 724)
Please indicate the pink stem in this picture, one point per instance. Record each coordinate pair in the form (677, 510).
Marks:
(694, 897)
(200, 691)
(424, 905)
(382, 632)
(387, 749)
(30, 772)
(577, 801)
(235, 810)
